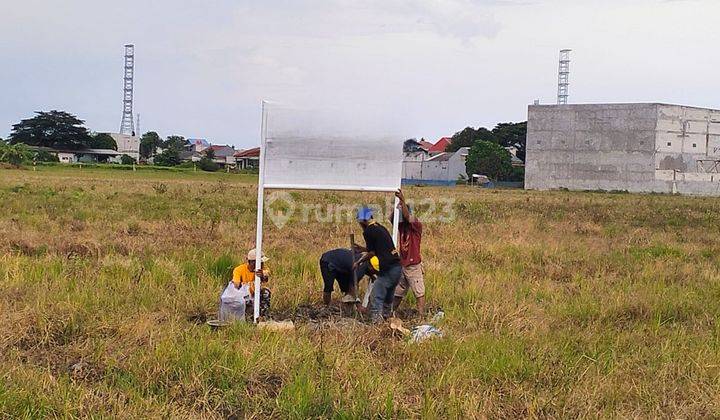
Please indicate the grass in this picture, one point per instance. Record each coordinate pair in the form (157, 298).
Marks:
(557, 304)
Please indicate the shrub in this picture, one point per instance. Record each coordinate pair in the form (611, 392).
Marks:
(206, 164)
(14, 154)
(127, 160)
(43, 156)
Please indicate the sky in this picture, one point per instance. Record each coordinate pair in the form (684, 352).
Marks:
(433, 67)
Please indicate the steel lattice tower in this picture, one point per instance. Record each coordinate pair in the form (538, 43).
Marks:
(563, 77)
(126, 125)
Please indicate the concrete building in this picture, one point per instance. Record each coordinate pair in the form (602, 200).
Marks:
(633, 147)
(442, 169)
(127, 145)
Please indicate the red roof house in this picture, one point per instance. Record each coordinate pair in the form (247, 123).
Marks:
(425, 144)
(254, 152)
(249, 158)
(440, 145)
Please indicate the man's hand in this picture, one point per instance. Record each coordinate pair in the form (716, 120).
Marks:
(260, 273)
(400, 196)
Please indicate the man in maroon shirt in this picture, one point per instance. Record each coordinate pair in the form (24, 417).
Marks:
(409, 237)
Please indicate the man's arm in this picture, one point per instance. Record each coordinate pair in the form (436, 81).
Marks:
(403, 206)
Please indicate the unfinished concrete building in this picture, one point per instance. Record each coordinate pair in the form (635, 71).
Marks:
(631, 147)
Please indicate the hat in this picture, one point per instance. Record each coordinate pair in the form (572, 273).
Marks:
(375, 263)
(364, 213)
(251, 256)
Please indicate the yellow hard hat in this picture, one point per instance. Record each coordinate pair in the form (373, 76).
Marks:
(375, 263)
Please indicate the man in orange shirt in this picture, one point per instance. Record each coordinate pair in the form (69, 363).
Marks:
(245, 274)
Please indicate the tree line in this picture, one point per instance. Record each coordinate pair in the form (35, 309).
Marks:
(488, 154)
(60, 130)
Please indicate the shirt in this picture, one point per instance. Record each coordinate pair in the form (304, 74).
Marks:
(379, 242)
(410, 234)
(243, 275)
(341, 260)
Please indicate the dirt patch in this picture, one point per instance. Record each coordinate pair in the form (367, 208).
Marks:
(198, 316)
(306, 313)
(265, 384)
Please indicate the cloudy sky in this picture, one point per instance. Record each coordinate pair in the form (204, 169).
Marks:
(434, 66)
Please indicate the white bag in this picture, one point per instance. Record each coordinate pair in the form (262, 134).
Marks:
(232, 296)
(232, 303)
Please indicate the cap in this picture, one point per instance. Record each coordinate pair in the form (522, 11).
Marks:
(364, 213)
(251, 256)
(375, 263)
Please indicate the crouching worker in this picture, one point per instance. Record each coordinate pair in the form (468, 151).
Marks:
(379, 243)
(337, 265)
(243, 280)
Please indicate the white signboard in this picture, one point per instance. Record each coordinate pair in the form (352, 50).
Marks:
(328, 151)
(321, 150)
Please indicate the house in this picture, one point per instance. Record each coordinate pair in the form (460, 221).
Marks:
(413, 150)
(425, 144)
(224, 155)
(198, 145)
(82, 155)
(444, 168)
(248, 159)
(514, 160)
(440, 146)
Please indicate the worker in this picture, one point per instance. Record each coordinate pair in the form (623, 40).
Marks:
(410, 235)
(337, 265)
(379, 243)
(244, 274)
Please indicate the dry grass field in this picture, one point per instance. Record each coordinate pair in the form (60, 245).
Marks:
(557, 304)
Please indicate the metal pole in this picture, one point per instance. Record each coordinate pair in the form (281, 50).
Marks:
(260, 209)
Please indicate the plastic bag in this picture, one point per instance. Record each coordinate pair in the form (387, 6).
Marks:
(424, 332)
(232, 303)
(232, 295)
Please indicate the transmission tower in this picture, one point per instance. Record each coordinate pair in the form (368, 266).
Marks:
(126, 125)
(563, 77)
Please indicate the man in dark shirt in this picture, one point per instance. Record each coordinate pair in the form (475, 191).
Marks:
(337, 264)
(409, 237)
(379, 243)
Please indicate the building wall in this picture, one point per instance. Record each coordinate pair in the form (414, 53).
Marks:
(436, 170)
(632, 147)
(127, 145)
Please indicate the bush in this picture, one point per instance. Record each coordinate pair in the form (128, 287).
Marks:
(127, 160)
(517, 174)
(206, 164)
(43, 156)
(14, 154)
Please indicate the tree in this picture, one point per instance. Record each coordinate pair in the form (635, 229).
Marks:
(168, 157)
(127, 160)
(467, 137)
(206, 163)
(512, 135)
(149, 143)
(490, 159)
(103, 141)
(177, 142)
(56, 129)
(172, 146)
(14, 154)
